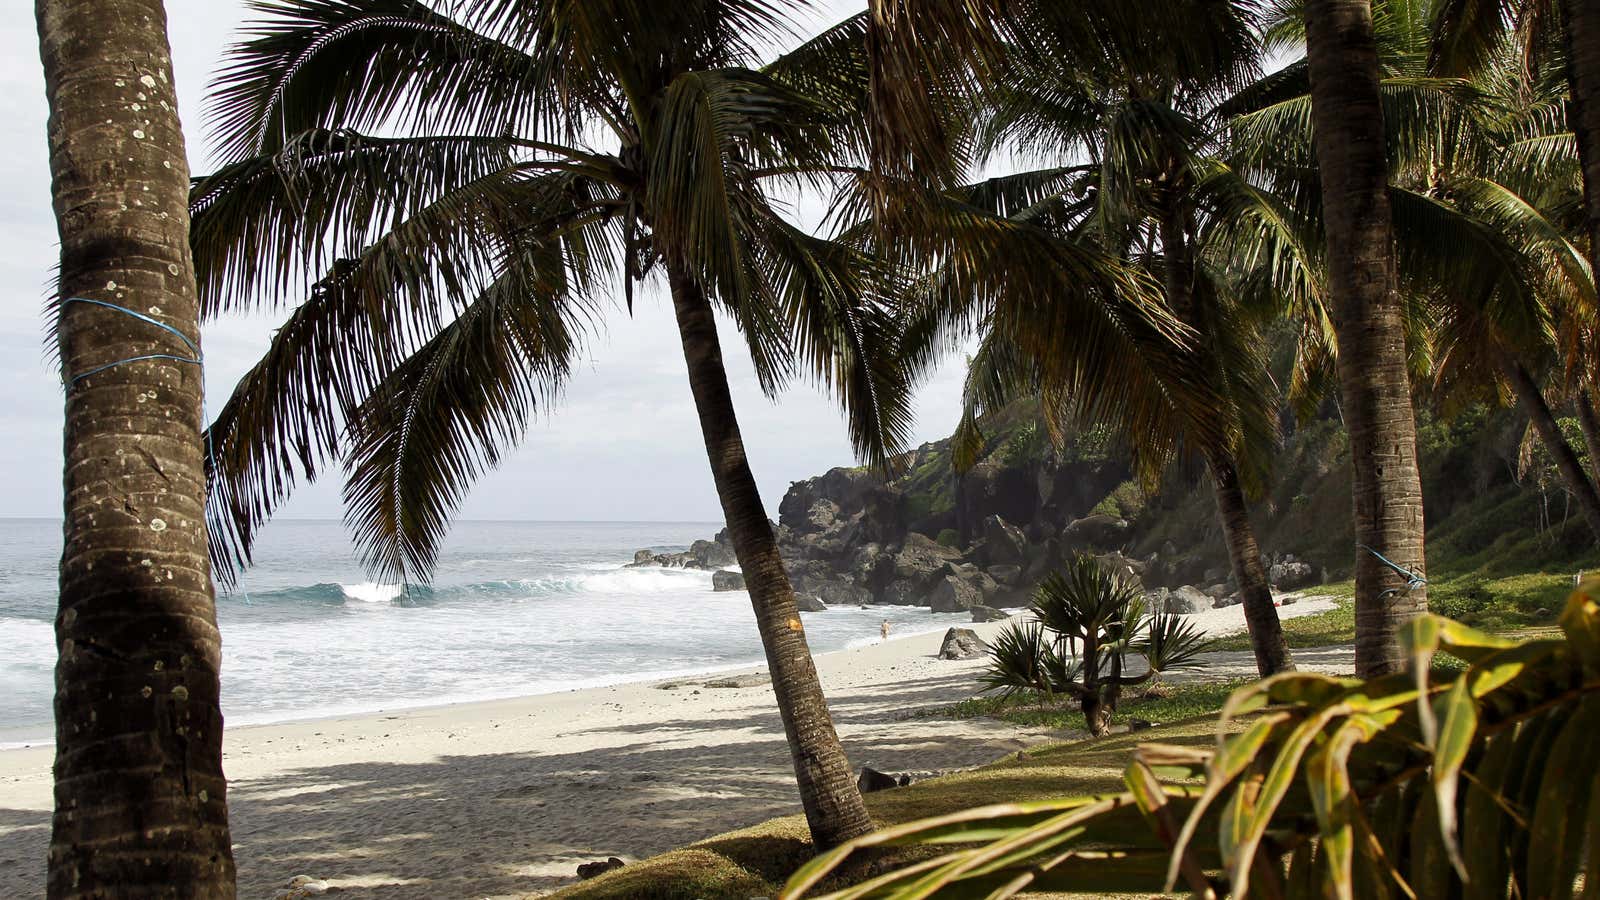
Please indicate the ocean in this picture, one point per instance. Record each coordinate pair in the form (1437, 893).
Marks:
(515, 609)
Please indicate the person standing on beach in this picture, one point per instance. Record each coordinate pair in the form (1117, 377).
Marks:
(884, 629)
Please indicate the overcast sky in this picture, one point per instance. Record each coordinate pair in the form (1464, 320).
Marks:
(624, 443)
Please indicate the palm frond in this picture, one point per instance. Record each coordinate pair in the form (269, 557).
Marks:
(1477, 785)
(449, 411)
(338, 65)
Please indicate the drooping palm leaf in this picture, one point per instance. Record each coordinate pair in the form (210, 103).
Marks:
(1477, 785)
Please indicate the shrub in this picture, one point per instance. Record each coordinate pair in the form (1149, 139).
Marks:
(1089, 622)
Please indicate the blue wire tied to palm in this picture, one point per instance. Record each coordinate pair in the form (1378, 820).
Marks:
(194, 360)
(193, 347)
(1414, 579)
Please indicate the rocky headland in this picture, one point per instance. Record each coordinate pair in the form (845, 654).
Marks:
(977, 540)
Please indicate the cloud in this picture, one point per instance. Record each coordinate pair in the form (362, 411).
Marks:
(623, 444)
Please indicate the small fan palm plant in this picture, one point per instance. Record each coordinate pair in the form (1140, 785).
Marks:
(1089, 621)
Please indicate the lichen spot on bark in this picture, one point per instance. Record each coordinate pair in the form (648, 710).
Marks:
(146, 691)
(147, 81)
(158, 525)
(180, 693)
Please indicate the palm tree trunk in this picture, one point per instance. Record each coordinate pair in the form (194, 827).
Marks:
(1375, 391)
(1533, 404)
(1590, 423)
(828, 792)
(1255, 591)
(140, 800)
(1244, 553)
(1581, 32)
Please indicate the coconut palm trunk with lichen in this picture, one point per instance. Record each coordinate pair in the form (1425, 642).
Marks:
(140, 800)
(833, 806)
(1374, 387)
(1244, 551)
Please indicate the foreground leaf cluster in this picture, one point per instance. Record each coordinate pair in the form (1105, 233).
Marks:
(1481, 785)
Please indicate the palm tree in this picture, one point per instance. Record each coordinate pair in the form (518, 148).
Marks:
(140, 799)
(908, 139)
(445, 277)
(1490, 281)
(1470, 34)
(1368, 318)
(1146, 181)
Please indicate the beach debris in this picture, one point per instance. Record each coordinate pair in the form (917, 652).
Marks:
(590, 870)
(754, 679)
(961, 643)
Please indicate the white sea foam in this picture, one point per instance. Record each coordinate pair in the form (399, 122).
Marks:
(503, 619)
(370, 592)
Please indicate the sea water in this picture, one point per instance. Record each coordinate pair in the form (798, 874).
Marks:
(514, 609)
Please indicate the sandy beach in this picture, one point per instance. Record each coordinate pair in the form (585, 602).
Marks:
(506, 798)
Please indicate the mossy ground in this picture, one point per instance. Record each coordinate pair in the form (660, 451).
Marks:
(754, 862)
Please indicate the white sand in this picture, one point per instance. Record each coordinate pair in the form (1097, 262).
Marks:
(505, 798)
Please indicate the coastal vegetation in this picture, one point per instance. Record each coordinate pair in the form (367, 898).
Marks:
(1240, 285)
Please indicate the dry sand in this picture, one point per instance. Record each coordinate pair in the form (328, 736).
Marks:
(505, 798)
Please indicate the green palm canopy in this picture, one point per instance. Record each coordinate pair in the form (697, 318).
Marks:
(446, 203)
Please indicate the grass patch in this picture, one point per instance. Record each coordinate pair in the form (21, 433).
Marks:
(755, 861)
(1175, 702)
(1508, 604)
(1323, 629)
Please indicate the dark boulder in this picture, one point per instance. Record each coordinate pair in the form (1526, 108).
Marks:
(1188, 599)
(836, 592)
(900, 593)
(1003, 542)
(990, 489)
(712, 554)
(1100, 531)
(723, 580)
(1007, 575)
(590, 870)
(921, 560)
(1129, 570)
(962, 643)
(988, 614)
(808, 603)
(952, 594)
(1292, 575)
(872, 780)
